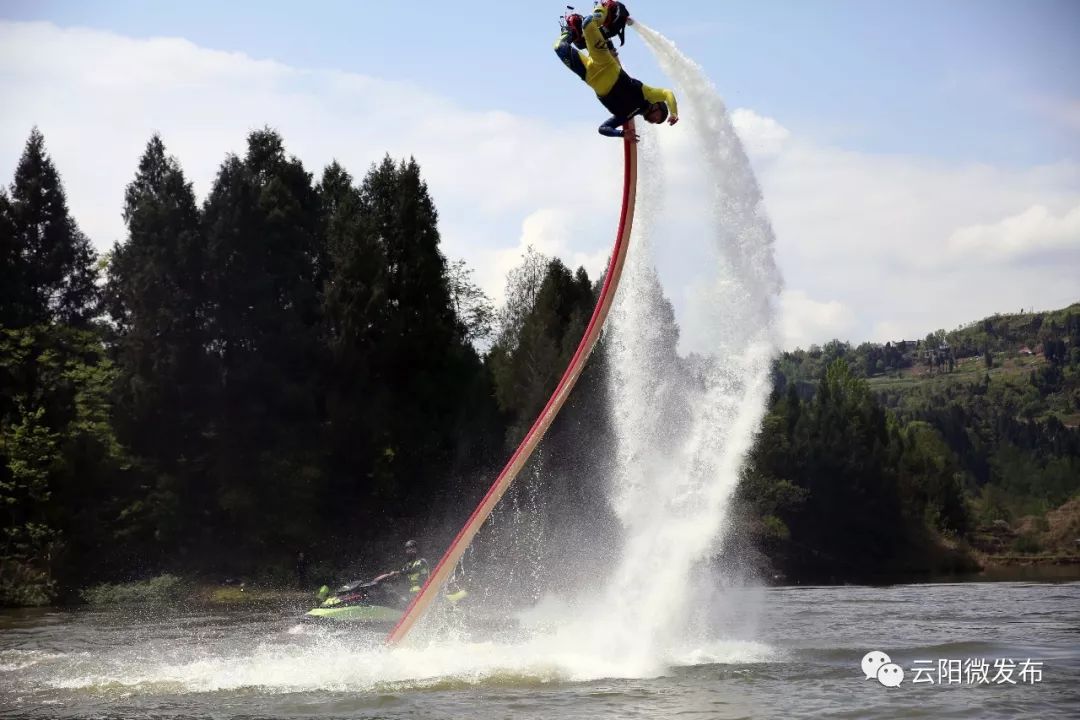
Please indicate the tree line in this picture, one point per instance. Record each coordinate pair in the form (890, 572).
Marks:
(289, 366)
(292, 365)
(880, 460)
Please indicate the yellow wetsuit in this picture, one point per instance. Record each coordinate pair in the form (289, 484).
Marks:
(600, 69)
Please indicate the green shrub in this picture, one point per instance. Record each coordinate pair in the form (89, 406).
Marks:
(773, 530)
(23, 586)
(159, 590)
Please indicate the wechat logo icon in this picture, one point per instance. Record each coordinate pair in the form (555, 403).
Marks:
(876, 665)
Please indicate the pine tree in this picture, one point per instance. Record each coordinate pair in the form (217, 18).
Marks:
(156, 295)
(355, 302)
(262, 224)
(526, 372)
(54, 262)
(409, 403)
(59, 457)
(424, 372)
(355, 309)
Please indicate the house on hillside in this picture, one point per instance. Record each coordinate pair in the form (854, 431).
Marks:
(1025, 350)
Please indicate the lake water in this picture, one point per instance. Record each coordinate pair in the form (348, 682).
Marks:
(778, 653)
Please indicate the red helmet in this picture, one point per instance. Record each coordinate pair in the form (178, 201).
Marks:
(615, 19)
(612, 7)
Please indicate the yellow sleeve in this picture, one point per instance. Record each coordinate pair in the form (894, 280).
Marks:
(661, 95)
(594, 38)
(603, 65)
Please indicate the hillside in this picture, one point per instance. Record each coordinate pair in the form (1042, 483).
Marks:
(1036, 353)
(963, 447)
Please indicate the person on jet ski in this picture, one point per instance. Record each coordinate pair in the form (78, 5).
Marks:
(621, 94)
(415, 570)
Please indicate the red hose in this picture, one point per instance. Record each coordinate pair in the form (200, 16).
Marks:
(554, 404)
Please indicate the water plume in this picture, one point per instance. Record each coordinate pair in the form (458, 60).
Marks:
(684, 425)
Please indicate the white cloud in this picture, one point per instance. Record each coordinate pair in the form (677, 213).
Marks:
(880, 235)
(1034, 233)
(805, 321)
(875, 245)
(867, 237)
(551, 232)
(98, 97)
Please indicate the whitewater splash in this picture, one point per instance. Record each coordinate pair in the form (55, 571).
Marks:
(158, 661)
(684, 425)
(683, 428)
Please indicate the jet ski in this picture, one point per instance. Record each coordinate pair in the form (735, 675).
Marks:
(375, 602)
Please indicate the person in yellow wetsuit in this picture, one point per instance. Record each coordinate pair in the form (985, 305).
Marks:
(621, 94)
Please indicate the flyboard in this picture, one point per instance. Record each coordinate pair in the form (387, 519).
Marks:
(449, 561)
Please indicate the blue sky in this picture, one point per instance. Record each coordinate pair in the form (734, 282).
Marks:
(864, 73)
(920, 160)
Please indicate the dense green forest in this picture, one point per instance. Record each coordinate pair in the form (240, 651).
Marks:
(292, 366)
(289, 367)
(943, 449)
